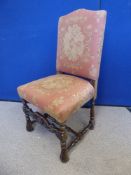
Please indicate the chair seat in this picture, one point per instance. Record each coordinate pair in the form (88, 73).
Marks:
(58, 95)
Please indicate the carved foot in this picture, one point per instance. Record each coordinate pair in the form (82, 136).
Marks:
(91, 124)
(64, 156)
(29, 126)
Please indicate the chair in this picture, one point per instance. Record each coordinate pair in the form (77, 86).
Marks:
(80, 40)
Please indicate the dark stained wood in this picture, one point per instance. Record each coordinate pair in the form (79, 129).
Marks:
(61, 130)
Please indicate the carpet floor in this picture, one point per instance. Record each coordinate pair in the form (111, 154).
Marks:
(104, 151)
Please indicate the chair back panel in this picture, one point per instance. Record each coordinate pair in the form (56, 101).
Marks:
(80, 40)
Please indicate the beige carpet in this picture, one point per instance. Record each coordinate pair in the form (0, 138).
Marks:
(104, 151)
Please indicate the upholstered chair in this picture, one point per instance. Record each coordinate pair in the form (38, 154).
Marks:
(80, 40)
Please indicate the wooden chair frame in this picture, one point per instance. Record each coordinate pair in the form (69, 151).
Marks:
(61, 130)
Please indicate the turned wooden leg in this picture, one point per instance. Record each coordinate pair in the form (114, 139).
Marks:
(63, 138)
(92, 116)
(29, 123)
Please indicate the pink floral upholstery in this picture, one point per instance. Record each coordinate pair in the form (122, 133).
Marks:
(80, 40)
(58, 95)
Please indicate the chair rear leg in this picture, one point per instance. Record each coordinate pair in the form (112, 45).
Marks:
(63, 139)
(92, 115)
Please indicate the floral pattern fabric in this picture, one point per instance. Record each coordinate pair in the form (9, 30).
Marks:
(58, 95)
(80, 40)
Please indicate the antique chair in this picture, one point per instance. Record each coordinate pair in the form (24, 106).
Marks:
(80, 40)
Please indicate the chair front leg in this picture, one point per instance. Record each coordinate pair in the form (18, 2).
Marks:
(29, 123)
(92, 115)
(29, 126)
(63, 139)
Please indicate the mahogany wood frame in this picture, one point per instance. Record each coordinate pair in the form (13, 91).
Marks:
(61, 130)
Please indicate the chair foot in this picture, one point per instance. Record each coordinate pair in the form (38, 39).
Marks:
(91, 124)
(64, 156)
(29, 126)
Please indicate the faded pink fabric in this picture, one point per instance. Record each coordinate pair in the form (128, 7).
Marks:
(58, 95)
(80, 40)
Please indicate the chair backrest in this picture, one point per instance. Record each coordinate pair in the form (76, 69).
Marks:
(80, 40)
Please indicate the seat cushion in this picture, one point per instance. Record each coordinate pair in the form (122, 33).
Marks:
(58, 95)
